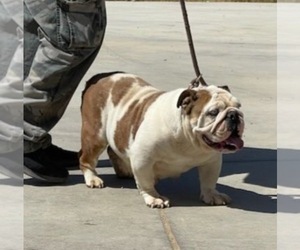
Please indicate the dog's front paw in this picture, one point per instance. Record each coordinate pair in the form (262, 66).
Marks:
(92, 180)
(161, 202)
(214, 198)
(95, 182)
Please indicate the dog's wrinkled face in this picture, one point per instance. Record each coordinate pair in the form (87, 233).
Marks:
(214, 116)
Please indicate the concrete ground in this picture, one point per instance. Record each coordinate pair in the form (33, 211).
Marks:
(236, 45)
(288, 127)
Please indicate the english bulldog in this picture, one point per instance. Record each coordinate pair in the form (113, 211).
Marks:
(151, 134)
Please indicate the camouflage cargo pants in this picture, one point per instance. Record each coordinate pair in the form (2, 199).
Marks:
(11, 71)
(61, 40)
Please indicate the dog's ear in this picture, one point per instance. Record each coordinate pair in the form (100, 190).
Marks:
(186, 99)
(225, 87)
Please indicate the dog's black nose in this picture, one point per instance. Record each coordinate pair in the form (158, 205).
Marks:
(232, 116)
(232, 120)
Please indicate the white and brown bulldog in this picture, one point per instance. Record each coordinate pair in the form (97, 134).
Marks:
(152, 134)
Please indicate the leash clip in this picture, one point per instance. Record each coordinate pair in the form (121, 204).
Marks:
(199, 80)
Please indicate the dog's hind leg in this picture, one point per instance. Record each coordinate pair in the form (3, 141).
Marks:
(93, 143)
(122, 169)
(93, 131)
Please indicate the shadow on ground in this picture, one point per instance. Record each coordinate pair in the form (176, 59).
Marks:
(288, 167)
(260, 165)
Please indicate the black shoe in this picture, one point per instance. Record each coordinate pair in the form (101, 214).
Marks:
(50, 164)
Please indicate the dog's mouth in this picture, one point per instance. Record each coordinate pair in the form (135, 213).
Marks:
(233, 143)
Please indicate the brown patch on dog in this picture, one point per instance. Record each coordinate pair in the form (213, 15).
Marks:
(121, 168)
(94, 99)
(121, 89)
(203, 97)
(96, 78)
(192, 102)
(142, 83)
(132, 120)
(186, 100)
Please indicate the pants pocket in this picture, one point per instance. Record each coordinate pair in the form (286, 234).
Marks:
(81, 23)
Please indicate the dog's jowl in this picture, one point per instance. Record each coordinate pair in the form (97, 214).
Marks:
(152, 134)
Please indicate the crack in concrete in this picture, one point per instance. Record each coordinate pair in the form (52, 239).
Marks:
(168, 230)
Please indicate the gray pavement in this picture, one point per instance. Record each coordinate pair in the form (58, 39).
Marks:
(236, 45)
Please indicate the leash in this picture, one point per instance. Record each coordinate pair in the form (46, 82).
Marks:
(199, 80)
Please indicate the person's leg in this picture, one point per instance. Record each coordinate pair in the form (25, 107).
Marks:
(11, 94)
(59, 49)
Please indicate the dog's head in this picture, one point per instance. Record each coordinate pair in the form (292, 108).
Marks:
(214, 117)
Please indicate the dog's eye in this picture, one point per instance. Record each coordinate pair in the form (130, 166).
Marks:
(213, 112)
